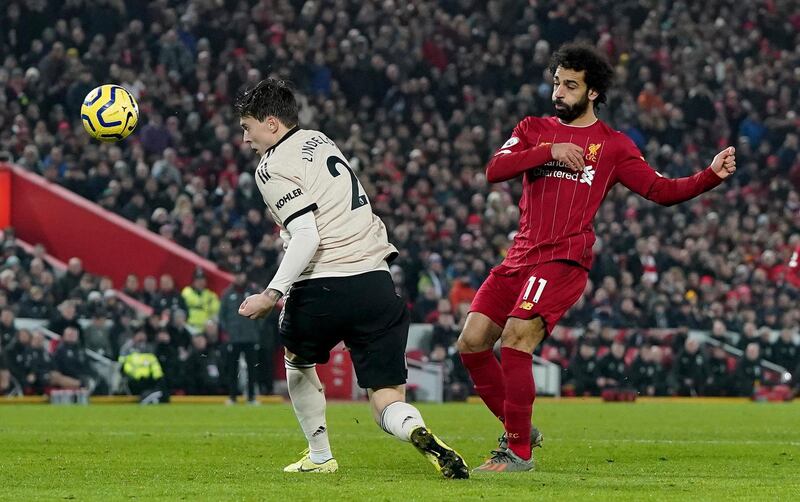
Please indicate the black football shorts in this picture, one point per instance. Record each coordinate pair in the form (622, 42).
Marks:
(363, 311)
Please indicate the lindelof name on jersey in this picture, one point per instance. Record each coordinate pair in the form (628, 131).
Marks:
(309, 146)
(289, 196)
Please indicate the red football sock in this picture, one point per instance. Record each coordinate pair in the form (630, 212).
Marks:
(520, 394)
(487, 374)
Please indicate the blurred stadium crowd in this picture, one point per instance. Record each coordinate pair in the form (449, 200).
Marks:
(418, 94)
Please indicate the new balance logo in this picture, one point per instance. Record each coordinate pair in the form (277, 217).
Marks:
(320, 430)
(587, 175)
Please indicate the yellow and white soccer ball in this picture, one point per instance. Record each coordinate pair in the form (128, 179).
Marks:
(109, 113)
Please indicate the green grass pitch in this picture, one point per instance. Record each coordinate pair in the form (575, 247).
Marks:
(647, 450)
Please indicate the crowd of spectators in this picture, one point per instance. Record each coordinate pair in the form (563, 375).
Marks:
(183, 331)
(417, 95)
(666, 362)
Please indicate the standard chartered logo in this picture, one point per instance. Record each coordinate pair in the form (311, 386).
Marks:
(587, 175)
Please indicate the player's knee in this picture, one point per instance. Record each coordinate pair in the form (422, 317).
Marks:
(514, 339)
(467, 343)
(524, 335)
(479, 334)
(462, 345)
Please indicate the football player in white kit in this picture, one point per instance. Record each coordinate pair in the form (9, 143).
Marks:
(336, 265)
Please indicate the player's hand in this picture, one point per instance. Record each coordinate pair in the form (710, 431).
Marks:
(258, 306)
(568, 153)
(724, 164)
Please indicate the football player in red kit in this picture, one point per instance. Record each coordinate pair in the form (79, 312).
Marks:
(568, 164)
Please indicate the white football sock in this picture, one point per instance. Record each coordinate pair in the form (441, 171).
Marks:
(308, 400)
(399, 419)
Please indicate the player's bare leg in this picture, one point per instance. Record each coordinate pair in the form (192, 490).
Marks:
(519, 338)
(480, 333)
(404, 422)
(308, 400)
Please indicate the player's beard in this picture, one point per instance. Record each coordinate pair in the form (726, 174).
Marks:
(571, 112)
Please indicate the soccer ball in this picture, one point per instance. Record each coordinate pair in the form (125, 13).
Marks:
(109, 113)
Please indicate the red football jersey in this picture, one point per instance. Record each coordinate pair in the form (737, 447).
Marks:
(558, 205)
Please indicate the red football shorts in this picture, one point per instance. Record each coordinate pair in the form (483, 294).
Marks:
(546, 290)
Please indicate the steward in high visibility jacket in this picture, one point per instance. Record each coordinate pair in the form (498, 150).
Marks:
(203, 304)
(145, 377)
(141, 366)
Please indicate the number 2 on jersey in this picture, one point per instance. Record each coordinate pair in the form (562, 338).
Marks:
(358, 199)
(531, 281)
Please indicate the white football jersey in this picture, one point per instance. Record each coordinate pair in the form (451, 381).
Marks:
(306, 171)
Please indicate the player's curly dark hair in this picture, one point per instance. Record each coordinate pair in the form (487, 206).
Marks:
(582, 57)
(270, 97)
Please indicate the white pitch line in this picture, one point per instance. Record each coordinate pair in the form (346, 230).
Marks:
(687, 441)
(548, 439)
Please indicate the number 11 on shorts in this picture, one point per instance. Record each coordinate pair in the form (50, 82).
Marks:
(531, 282)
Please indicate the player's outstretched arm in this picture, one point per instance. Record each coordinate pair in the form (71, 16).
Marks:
(637, 175)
